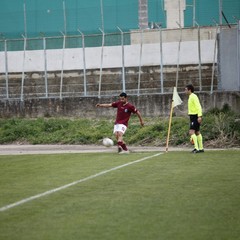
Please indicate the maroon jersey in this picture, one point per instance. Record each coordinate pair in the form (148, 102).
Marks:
(123, 112)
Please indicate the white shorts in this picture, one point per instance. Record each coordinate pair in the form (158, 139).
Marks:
(119, 128)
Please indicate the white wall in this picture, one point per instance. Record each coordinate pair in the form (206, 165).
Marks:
(73, 58)
(175, 12)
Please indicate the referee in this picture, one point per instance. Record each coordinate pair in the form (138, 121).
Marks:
(195, 115)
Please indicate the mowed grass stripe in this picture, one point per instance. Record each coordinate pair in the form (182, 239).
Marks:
(28, 175)
(4, 208)
(178, 195)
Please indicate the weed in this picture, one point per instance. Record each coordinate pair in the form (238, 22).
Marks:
(220, 128)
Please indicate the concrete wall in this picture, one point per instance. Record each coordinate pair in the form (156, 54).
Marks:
(175, 12)
(173, 35)
(152, 105)
(72, 59)
(111, 82)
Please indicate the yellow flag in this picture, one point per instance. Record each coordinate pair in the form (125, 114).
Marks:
(176, 99)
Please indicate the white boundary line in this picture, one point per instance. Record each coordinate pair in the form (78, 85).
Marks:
(2, 209)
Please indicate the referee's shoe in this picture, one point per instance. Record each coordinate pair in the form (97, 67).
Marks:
(195, 151)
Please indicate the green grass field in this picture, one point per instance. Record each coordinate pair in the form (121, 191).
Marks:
(175, 195)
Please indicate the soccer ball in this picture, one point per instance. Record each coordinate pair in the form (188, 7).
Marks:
(107, 142)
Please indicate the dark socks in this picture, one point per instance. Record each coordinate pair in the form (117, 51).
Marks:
(122, 145)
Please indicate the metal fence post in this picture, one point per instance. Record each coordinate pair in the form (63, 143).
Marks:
(101, 64)
(102, 14)
(140, 62)
(199, 58)
(64, 18)
(178, 57)
(84, 64)
(25, 18)
(63, 53)
(23, 66)
(214, 57)
(45, 67)
(161, 56)
(123, 63)
(6, 68)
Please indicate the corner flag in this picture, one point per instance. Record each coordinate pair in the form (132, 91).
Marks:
(176, 100)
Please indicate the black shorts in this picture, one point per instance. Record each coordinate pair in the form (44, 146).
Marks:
(194, 124)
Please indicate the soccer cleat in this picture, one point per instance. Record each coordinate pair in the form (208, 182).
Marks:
(124, 152)
(119, 149)
(195, 151)
(201, 151)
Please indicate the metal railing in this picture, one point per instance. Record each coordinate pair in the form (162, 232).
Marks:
(82, 41)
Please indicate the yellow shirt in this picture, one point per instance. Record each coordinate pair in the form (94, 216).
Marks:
(194, 106)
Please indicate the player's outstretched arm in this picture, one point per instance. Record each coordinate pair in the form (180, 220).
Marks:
(140, 118)
(104, 105)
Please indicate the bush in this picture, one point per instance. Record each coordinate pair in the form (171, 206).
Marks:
(220, 128)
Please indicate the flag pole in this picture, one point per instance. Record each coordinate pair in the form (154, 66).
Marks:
(176, 100)
(169, 126)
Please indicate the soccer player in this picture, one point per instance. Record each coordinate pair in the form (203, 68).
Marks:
(195, 114)
(124, 111)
